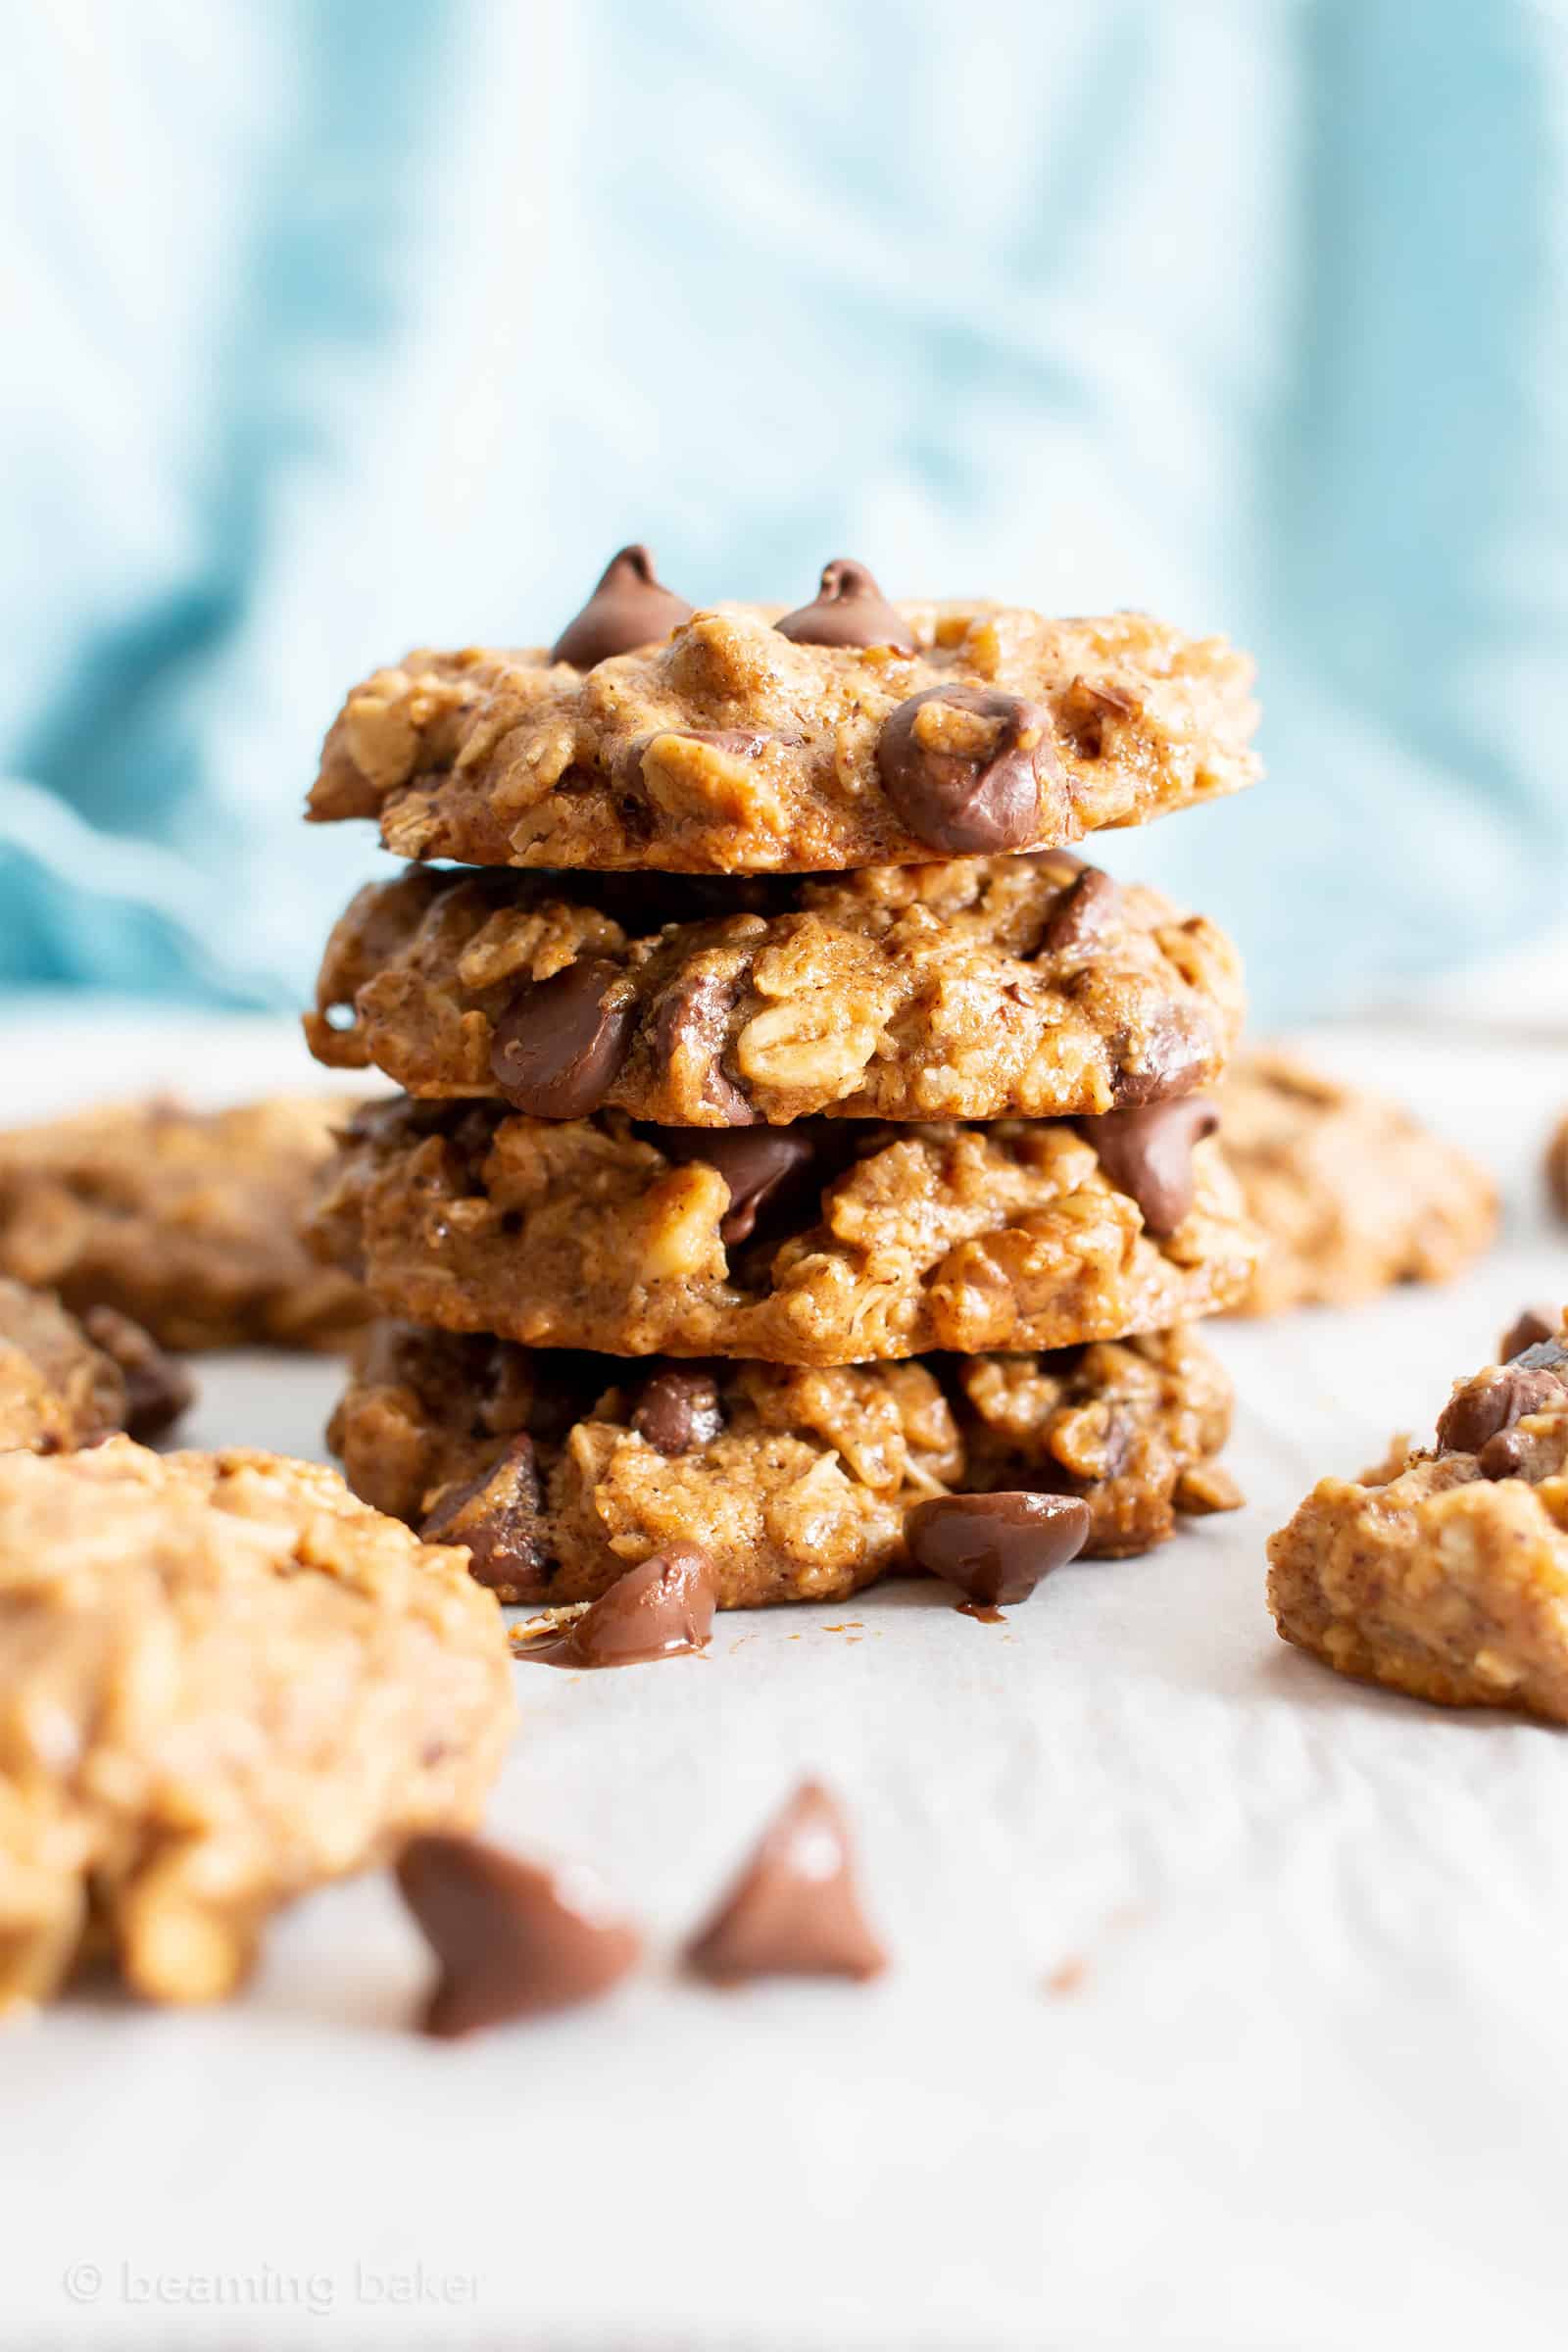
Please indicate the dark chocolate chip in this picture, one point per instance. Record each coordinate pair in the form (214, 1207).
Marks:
(661, 1609)
(996, 1547)
(1531, 1326)
(629, 607)
(848, 608)
(1148, 1154)
(1077, 923)
(795, 1910)
(693, 1014)
(678, 1410)
(963, 766)
(763, 1166)
(560, 1043)
(1493, 1401)
(497, 1514)
(157, 1388)
(513, 1939)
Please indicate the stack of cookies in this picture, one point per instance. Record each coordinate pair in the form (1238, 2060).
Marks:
(795, 1136)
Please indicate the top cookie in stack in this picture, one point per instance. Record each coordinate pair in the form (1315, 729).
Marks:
(714, 1111)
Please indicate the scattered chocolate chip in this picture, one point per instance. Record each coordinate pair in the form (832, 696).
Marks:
(678, 1410)
(497, 1515)
(996, 1547)
(157, 1388)
(848, 608)
(963, 766)
(1531, 1326)
(1495, 1401)
(514, 1939)
(1148, 1154)
(794, 1911)
(661, 1609)
(629, 607)
(693, 1016)
(763, 1166)
(560, 1044)
(1077, 923)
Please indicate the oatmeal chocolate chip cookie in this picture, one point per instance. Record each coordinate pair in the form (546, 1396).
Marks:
(1350, 1194)
(65, 1383)
(847, 733)
(1556, 1169)
(1031, 986)
(827, 1242)
(186, 1221)
(560, 1470)
(223, 1681)
(1445, 1572)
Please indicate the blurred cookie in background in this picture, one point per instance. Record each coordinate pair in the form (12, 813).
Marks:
(66, 1383)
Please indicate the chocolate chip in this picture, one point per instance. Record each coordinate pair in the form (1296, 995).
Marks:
(1148, 1154)
(661, 1609)
(1531, 1326)
(848, 608)
(1077, 923)
(1495, 1401)
(560, 1043)
(628, 607)
(513, 1939)
(794, 1911)
(1177, 1052)
(996, 1547)
(963, 766)
(692, 1016)
(764, 1167)
(678, 1410)
(497, 1514)
(158, 1388)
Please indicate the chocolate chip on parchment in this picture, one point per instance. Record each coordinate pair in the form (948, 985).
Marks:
(1077, 923)
(795, 1910)
(514, 1939)
(1529, 1327)
(849, 610)
(1481, 1408)
(629, 607)
(1148, 1154)
(762, 1165)
(664, 1608)
(964, 766)
(497, 1514)
(678, 1409)
(560, 1045)
(996, 1547)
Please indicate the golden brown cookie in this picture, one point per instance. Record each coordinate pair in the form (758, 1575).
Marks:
(1350, 1192)
(186, 1221)
(1032, 986)
(1556, 1169)
(65, 1383)
(560, 1470)
(1444, 1573)
(819, 1243)
(223, 1680)
(723, 745)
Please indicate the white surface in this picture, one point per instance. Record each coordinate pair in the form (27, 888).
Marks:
(1307, 2091)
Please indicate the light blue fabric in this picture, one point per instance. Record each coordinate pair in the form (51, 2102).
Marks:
(342, 326)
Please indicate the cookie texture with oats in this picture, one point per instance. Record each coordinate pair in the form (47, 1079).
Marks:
(561, 1470)
(975, 989)
(225, 1679)
(827, 1242)
(66, 1383)
(729, 746)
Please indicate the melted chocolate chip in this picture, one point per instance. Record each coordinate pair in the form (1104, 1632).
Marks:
(996, 1547)
(848, 608)
(963, 766)
(513, 1939)
(1077, 923)
(157, 1388)
(1148, 1154)
(497, 1514)
(693, 1017)
(794, 1911)
(1479, 1409)
(1175, 1054)
(629, 607)
(661, 1609)
(678, 1410)
(560, 1043)
(764, 1167)
(1529, 1327)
